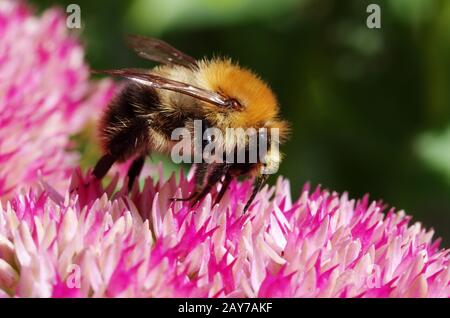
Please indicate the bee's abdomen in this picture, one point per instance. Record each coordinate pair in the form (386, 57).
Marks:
(124, 126)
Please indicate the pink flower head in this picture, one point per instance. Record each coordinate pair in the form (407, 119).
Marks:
(104, 244)
(45, 96)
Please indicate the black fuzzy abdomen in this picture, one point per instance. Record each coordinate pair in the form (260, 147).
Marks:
(124, 127)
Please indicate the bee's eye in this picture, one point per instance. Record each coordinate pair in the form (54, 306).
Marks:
(234, 104)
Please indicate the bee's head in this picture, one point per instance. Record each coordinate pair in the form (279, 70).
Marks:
(254, 100)
(257, 110)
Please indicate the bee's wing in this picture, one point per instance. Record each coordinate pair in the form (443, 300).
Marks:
(155, 81)
(159, 51)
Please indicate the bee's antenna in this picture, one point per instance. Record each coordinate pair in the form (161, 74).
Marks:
(97, 72)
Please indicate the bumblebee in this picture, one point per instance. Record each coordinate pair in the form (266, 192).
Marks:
(220, 93)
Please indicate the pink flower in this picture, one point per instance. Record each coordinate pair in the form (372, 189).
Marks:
(104, 244)
(45, 97)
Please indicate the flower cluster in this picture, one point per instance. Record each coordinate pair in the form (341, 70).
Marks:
(45, 97)
(101, 243)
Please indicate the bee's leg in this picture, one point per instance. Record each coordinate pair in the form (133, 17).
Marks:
(100, 170)
(135, 169)
(217, 172)
(224, 188)
(103, 165)
(199, 177)
(202, 168)
(259, 183)
(200, 174)
(124, 132)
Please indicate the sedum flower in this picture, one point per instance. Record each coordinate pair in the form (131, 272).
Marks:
(45, 96)
(100, 243)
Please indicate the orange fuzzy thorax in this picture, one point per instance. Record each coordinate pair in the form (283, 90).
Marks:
(260, 107)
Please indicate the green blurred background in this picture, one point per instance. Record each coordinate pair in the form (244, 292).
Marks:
(370, 108)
